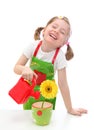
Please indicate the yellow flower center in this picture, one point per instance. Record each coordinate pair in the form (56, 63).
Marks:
(48, 89)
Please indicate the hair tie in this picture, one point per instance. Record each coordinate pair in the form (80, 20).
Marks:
(60, 17)
(67, 43)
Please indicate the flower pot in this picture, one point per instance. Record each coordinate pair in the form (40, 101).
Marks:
(42, 114)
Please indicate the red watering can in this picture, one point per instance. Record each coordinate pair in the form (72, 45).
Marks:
(23, 90)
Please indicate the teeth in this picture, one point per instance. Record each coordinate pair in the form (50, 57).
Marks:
(53, 36)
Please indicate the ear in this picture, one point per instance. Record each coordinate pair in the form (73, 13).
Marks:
(66, 40)
(43, 32)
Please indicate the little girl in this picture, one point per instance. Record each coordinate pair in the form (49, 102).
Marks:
(47, 57)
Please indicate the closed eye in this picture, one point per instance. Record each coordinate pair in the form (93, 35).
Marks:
(62, 32)
(54, 26)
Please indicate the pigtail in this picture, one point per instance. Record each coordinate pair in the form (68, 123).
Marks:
(69, 53)
(37, 33)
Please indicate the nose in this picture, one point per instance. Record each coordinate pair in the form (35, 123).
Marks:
(56, 31)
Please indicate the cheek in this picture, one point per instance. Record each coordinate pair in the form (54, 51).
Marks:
(45, 33)
(62, 42)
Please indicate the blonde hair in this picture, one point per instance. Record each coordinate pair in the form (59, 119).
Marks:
(69, 52)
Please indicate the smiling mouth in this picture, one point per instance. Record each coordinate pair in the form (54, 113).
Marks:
(53, 36)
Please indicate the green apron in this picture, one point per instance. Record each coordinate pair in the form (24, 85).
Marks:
(47, 69)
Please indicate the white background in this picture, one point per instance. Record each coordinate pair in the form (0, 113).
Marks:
(19, 19)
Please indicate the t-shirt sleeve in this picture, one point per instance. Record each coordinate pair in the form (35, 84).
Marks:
(29, 50)
(61, 61)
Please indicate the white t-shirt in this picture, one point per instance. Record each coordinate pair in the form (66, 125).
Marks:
(60, 61)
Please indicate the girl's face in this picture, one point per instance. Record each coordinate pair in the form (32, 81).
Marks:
(56, 33)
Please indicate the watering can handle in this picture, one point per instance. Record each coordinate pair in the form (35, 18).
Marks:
(33, 81)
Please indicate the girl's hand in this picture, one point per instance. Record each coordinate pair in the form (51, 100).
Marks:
(77, 112)
(28, 74)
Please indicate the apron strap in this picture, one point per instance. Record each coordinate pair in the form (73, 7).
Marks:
(37, 48)
(55, 55)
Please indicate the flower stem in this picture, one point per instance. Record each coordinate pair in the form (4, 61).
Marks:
(42, 104)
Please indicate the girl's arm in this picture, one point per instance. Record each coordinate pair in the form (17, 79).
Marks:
(63, 85)
(23, 70)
